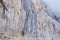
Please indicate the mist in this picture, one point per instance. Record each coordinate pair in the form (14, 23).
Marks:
(54, 5)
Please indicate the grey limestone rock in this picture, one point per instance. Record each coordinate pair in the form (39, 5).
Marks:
(25, 20)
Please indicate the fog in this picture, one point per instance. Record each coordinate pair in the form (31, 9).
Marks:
(54, 5)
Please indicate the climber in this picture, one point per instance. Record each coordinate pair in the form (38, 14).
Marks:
(22, 33)
(4, 8)
(2, 3)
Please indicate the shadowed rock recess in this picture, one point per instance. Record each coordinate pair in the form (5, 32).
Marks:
(26, 20)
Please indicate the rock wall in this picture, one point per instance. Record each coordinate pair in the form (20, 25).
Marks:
(26, 20)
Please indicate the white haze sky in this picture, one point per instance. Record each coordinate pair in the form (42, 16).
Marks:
(54, 5)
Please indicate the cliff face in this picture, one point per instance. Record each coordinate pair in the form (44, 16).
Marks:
(26, 20)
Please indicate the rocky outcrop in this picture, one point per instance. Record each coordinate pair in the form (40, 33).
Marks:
(26, 20)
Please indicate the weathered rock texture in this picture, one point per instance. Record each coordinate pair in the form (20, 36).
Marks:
(26, 20)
